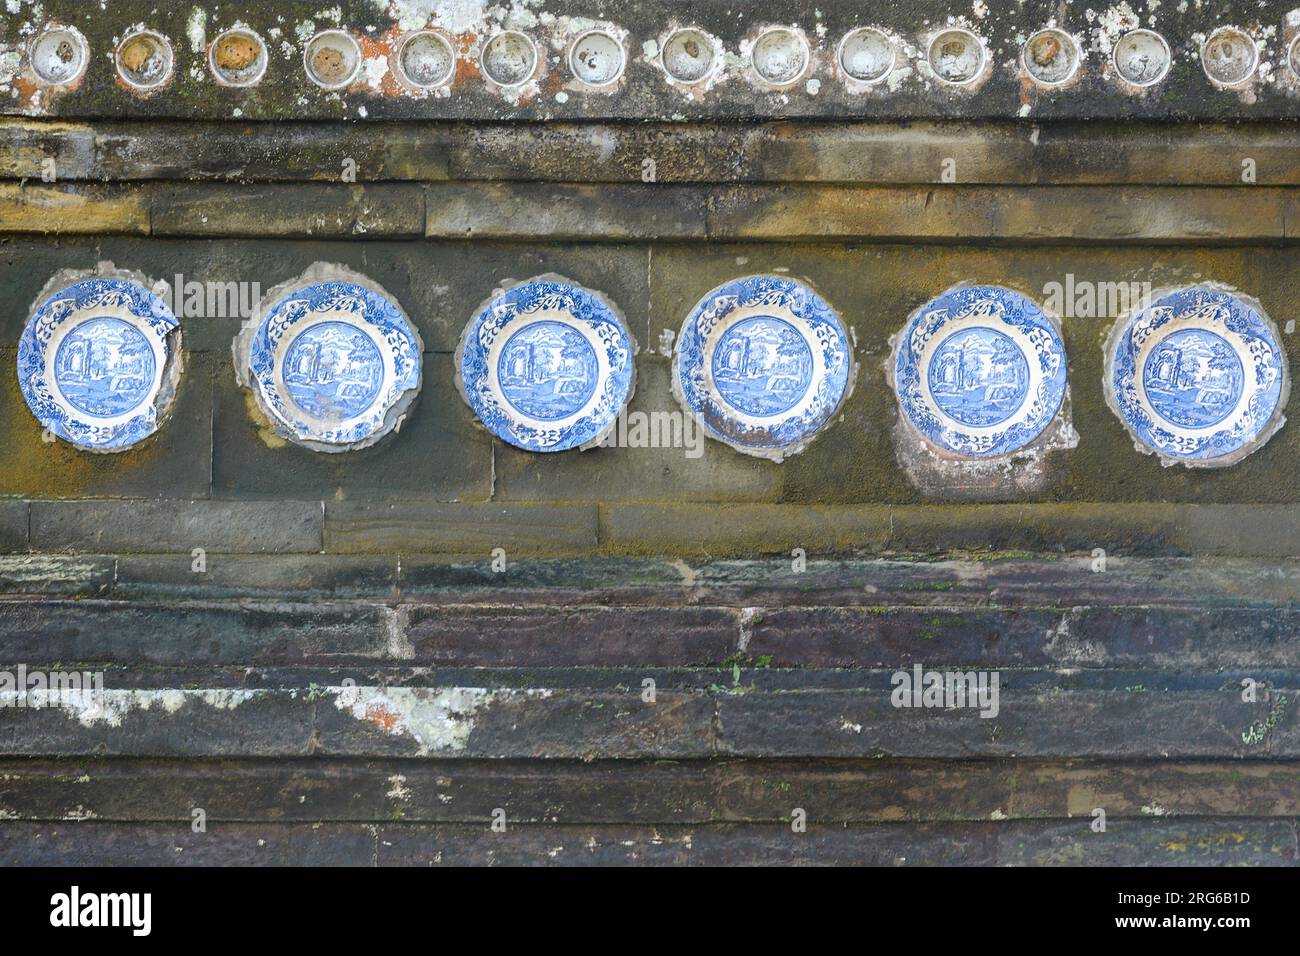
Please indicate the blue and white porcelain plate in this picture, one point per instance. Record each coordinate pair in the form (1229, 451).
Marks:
(546, 365)
(762, 363)
(330, 360)
(93, 363)
(1198, 376)
(980, 371)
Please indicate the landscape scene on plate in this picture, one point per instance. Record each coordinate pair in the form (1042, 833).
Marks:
(333, 370)
(1193, 378)
(104, 367)
(978, 376)
(762, 366)
(547, 370)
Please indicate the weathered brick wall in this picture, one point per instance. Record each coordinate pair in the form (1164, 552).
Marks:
(229, 688)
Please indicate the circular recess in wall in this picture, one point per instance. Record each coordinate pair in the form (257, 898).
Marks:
(98, 362)
(547, 365)
(1293, 57)
(144, 60)
(597, 58)
(866, 55)
(332, 359)
(780, 56)
(1141, 58)
(763, 364)
(58, 55)
(332, 59)
(1229, 56)
(689, 56)
(425, 60)
(1051, 57)
(956, 56)
(979, 372)
(509, 58)
(1198, 376)
(237, 57)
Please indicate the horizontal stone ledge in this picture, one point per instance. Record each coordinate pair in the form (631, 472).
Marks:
(1214, 841)
(953, 580)
(302, 210)
(434, 790)
(460, 528)
(1067, 214)
(162, 525)
(91, 632)
(1177, 639)
(580, 212)
(1133, 723)
(192, 634)
(1146, 529)
(586, 212)
(988, 153)
(673, 532)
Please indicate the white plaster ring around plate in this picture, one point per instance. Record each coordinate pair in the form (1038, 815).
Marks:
(1198, 376)
(546, 365)
(332, 359)
(1001, 365)
(763, 363)
(99, 360)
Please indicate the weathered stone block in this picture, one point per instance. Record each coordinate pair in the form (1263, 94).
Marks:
(157, 723)
(270, 577)
(474, 722)
(64, 575)
(68, 209)
(532, 211)
(13, 525)
(960, 213)
(155, 527)
(306, 211)
(421, 527)
(572, 637)
(134, 633)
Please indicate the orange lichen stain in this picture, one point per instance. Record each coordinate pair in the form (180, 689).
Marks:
(1028, 90)
(467, 69)
(382, 46)
(552, 83)
(383, 717)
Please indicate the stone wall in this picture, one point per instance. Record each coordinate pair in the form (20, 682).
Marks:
(362, 657)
